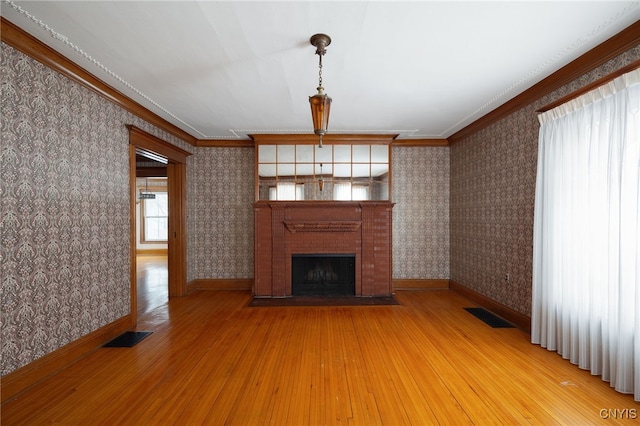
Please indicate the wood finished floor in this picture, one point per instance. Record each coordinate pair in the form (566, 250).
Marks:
(153, 285)
(213, 360)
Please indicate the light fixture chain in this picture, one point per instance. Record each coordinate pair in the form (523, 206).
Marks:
(320, 71)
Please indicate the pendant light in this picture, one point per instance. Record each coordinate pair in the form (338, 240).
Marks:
(146, 195)
(320, 102)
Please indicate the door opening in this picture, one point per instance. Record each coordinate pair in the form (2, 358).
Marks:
(152, 217)
(146, 146)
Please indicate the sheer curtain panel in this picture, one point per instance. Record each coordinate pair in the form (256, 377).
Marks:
(586, 261)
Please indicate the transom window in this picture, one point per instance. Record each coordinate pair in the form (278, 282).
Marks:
(334, 172)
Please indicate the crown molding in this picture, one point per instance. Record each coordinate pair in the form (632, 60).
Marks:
(609, 49)
(17, 38)
(589, 87)
(420, 142)
(225, 143)
(330, 139)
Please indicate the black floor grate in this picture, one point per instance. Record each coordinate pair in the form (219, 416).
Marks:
(128, 339)
(489, 318)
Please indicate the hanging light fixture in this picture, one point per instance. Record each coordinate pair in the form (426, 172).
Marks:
(320, 102)
(146, 195)
(321, 180)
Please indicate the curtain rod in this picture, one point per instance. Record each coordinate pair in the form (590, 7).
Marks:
(599, 82)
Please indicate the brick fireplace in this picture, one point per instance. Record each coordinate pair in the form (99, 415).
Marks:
(284, 229)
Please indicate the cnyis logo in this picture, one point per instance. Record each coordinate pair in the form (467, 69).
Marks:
(619, 413)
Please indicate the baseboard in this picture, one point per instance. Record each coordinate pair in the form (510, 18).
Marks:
(521, 321)
(421, 284)
(220, 284)
(23, 378)
(152, 252)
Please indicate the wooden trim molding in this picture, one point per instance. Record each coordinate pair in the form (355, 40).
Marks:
(147, 141)
(17, 38)
(616, 45)
(151, 172)
(420, 142)
(589, 87)
(151, 252)
(177, 246)
(21, 379)
(312, 139)
(177, 190)
(421, 284)
(520, 320)
(329, 139)
(133, 271)
(225, 143)
(221, 284)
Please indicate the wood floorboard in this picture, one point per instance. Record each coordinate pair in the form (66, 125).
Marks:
(213, 360)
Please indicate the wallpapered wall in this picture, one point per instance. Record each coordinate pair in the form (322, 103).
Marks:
(420, 189)
(64, 230)
(220, 213)
(493, 175)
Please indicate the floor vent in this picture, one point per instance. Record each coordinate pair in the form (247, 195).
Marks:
(128, 339)
(489, 318)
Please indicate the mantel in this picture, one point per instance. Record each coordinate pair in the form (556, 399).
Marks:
(322, 226)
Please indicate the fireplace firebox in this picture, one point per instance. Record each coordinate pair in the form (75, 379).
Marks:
(323, 275)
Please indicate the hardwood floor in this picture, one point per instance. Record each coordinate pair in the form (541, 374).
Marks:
(153, 282)
(213, 360)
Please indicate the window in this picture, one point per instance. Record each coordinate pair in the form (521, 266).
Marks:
(286, 191)
(346, 191)
(341, 171)
(155, 218)
(586, 261)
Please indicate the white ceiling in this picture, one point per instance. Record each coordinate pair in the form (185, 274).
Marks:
(225, 69)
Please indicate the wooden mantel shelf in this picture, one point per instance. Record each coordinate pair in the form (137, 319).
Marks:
(322, 226)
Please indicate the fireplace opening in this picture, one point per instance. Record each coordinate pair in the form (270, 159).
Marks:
(323, 275)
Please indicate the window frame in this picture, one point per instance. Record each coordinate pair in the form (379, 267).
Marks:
(143, 217)
(277, 146)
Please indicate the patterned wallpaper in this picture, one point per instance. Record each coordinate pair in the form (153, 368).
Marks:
(220, 213)
(493, 176)
(220, 220)
(420, 189)
(64, 230)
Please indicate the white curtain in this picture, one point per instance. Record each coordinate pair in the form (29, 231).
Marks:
(286, 191)
(586, 262)
(346, 191)
(342, 191)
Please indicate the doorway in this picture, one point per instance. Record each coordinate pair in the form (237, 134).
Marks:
(152, 212)
(143, 145)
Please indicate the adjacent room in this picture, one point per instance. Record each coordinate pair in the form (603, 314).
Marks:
(320, 212)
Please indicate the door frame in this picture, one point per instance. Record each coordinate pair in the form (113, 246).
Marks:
(139, 140)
